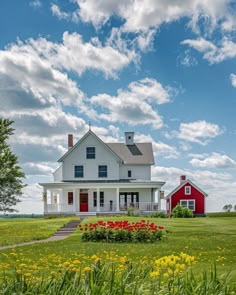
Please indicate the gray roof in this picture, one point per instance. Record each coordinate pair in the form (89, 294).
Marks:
(139, 153)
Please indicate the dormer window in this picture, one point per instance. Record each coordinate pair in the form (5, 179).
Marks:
(187, 190)
(90, 152)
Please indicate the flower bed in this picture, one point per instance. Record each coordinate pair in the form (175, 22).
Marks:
(121, 231)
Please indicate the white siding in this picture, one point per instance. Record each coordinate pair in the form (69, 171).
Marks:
(57, 175)
(140, 172)
(103, 157)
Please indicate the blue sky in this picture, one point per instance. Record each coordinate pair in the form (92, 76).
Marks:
(164, 69)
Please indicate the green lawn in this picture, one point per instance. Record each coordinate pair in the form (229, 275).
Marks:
(208, 239)
(15, 231)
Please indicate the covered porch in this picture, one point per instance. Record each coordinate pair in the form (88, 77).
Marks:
(81, 198)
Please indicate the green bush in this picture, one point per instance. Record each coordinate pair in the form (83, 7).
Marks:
(160, 214)
(181, 212)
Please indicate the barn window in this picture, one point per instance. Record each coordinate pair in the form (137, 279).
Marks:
(187, 190)
(190, 204)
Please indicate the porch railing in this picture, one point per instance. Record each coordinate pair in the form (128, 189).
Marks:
(106, 207)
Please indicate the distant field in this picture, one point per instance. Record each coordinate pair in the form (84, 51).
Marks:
(211, 240)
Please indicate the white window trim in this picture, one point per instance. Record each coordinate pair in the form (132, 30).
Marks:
(192, 200)
(185, 190)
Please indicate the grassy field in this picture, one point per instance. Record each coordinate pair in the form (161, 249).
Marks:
(15, 231)
(210, 240)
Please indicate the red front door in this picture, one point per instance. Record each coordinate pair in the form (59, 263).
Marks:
(84, 202)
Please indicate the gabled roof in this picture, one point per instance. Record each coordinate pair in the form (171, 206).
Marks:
(139, 153)
(82, 139)
(183, 184)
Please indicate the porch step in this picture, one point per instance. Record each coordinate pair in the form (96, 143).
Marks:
(86, 214)
(68, 228)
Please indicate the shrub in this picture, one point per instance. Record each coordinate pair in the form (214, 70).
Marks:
(181, 212)
(160, 214)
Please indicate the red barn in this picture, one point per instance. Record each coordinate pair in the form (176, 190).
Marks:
(187, 194)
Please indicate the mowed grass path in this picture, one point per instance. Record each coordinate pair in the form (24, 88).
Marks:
(15, 231)
(210, 240)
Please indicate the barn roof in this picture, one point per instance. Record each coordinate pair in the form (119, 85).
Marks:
(182, 185)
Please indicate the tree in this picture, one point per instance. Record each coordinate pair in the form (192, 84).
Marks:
(234, 207)
(227, 207)
(11, 174)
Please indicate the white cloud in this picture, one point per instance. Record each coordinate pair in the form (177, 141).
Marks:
(32, 82)
(219, 186)
(233, 79)
(135, 105)
(199, 132)
(56, 11)
(31, 200)
(37, 169)
(215, 160)
(225, 49)
(187, 60)
(141, 15)
(160, 149)
(36, 3)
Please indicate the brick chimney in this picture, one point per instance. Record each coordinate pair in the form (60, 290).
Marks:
(182, 178)
(70, 141)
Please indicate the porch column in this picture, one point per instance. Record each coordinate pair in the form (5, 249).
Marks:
(45, 205)
(74, 200)
(159, 199)
(117, 199)
(98, 199)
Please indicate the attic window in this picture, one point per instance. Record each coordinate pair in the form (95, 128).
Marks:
(187, 190)
(90, 153)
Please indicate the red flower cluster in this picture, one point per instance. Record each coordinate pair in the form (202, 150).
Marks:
(121, 231)
(124, 224)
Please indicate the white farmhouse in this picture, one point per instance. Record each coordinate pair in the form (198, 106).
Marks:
(97, 177)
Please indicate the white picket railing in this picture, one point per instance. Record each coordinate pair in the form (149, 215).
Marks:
(106, 207)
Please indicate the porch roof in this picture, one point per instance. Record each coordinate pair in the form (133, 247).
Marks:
(105, 184)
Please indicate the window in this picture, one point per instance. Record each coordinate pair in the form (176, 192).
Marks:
(190, 204)
(70, 198)
(129, 200)
(187, 190)
(102, 171)
(95, 199)
(129, 173)
(79, 171)
(90, 153)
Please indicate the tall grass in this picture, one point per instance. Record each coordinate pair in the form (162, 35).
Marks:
(107, 279)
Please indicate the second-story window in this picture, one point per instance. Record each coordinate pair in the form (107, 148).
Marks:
(90, 152)
(102, 171)
(79, 171)
(129, 173)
